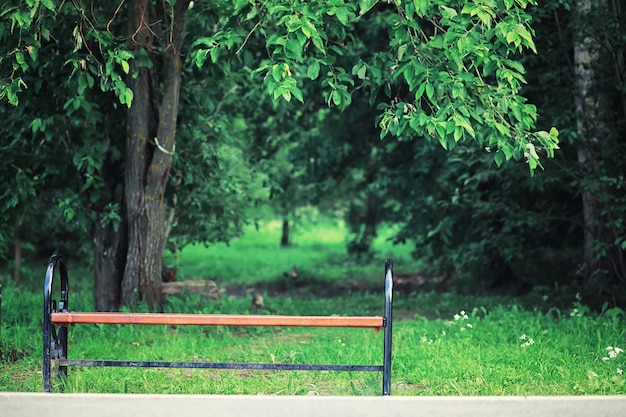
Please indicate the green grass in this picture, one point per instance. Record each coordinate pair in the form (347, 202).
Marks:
(317, 250)
(509, 351)
(435, 351)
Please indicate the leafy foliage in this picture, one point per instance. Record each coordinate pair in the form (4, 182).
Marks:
(448, 71)
(260, 85)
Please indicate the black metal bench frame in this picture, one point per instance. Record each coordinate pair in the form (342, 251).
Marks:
(57, 318)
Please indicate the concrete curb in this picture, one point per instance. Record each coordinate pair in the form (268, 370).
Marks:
(134, 405)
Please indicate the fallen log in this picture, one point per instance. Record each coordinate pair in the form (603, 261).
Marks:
(206, 288)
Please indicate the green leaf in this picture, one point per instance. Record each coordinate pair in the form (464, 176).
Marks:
(297, 93)
(336, 96)
(45, 34)
(11, 96)
(402, 50)
(214, 53)
(33, 52)
(506, 150)
(277, 72)
(421, 7)
(306, 31)
(458, 133)
(125, 66)
(365, 6)
(21, 61)
(317, 42)
(420, 91)
(361, 73)
(35, 125)
(430, 91)
(554, 132)
(498, 158)
(503, 129)
(456, 57)
(314, 70)
(82, 85)
(293, 50)
(278, 91)
(442, 140)
(517, 111)
(514, 38)
(485, 18)
(517, 66)
(527, 37)
(48, 4)
(448, 12)
(461, 121)
(128, 97)
(343, 15)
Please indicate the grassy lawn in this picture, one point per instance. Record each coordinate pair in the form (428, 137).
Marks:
(317, 250)
(445, 343)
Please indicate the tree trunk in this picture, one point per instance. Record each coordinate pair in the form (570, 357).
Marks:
(365, 223)
(151, 131)
(284, 237)
(109, 237)
(17, 253)
(109, 247)
(594, 128)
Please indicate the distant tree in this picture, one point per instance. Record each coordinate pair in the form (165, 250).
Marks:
(600, 75)
(577, 80)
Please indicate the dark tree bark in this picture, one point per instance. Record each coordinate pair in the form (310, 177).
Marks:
(151, 132)
(594, 113)
(284, 237)
(17, 254)
(109, 238)
(109, 246)
(365, 223)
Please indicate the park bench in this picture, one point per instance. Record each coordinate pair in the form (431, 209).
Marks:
(57, 319)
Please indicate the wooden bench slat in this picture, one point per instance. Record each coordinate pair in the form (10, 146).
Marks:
(216, 319)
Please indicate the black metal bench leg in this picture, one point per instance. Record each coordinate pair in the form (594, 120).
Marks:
(388, 327)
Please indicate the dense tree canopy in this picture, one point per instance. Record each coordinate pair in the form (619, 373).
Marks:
(147, 121)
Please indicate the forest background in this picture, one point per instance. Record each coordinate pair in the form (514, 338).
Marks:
(487, 134)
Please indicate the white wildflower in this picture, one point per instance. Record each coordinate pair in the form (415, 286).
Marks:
(528, 341)
(461, 316)
(612, 352)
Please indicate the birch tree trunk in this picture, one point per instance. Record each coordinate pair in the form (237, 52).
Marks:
(594, 113)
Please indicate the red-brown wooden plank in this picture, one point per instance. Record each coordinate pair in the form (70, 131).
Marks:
(215, 319)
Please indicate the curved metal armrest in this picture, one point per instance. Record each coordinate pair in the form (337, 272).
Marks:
(54, 345)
